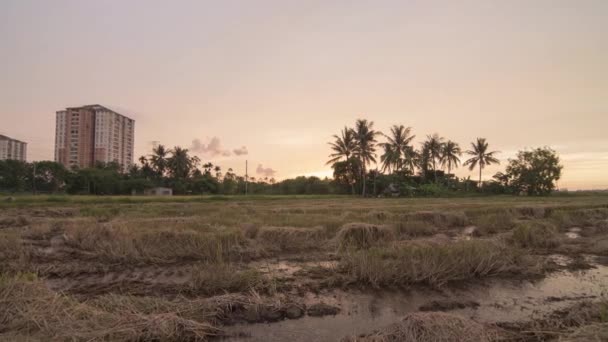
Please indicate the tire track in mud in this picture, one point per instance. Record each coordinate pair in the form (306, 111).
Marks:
(140, 281)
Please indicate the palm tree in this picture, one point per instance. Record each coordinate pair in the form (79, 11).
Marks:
(481, 156)
(365, 136)
(433, 147)
(180, 164)
(218, 172)
(158, 160)
(410, 158)
(390, 157)
(450, 155)
(396, 147)
(344, 146)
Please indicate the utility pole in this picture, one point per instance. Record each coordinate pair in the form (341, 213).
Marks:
(246, 177)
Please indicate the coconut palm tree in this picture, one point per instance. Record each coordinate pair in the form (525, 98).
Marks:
(395, 147)
(410, 158)
(180, 164)
(432, 148)
(158, 160)
(365, 136)
(343, 147)
(480, 156)
(390, 158)
(450, 154)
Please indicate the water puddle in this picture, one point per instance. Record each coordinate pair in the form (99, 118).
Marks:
(288, 268)
(499, 301)
(573, 233)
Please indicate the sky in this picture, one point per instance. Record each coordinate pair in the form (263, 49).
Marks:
(270, 81)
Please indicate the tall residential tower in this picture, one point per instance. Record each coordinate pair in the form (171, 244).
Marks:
(88, 134)
(12, 149)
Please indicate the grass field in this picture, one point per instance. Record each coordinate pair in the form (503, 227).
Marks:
(197, 268)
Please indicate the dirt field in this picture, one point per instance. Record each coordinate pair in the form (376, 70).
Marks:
(304, 269)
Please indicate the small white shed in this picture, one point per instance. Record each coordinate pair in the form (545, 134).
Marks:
(158, 191)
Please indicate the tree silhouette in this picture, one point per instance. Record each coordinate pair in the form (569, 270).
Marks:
(450, 154)
(397, 148)
(480, 156)
(365, 136)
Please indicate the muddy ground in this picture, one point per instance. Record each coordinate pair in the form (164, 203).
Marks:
(305, 270)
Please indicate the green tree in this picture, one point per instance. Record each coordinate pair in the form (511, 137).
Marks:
(534, 172)
(13, 175)
(49, 176)
(480, 156)
(365, 136)
(345, 171)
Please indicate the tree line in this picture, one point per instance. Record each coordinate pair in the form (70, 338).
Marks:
(175, 168)
(401, 169)
(427, 170)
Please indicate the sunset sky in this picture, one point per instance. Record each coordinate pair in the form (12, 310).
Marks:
(278, 78)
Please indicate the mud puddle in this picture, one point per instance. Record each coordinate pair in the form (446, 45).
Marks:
(488, 301)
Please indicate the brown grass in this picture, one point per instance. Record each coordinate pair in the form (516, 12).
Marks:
(363, 236)
(435, 264)
(291, 239)
(431, 327)
(447, 219)
(217, 278)
(28, 308)
(494, 223)
(118, 244)
(536, 234)
(411, 227)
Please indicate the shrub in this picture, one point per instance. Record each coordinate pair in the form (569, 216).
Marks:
(362, 235)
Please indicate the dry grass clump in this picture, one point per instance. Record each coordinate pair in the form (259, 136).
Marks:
(411, 227)
(434, 265)
(579, 218)
(431, 327)
(216, 278)
(447, 219)
(291, 239)
(592, 332)
(14, 257)
(117, 244)
(363, 236)
(494, 223)
(536, 234)
(537, 212)
(28, 308)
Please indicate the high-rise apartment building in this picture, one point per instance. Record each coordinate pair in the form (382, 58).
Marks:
(12, 149)
(88, 134)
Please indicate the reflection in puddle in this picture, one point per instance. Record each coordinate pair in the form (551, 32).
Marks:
(500, 300)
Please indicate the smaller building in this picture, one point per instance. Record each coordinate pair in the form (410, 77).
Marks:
(12, 149)
(158, 191)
